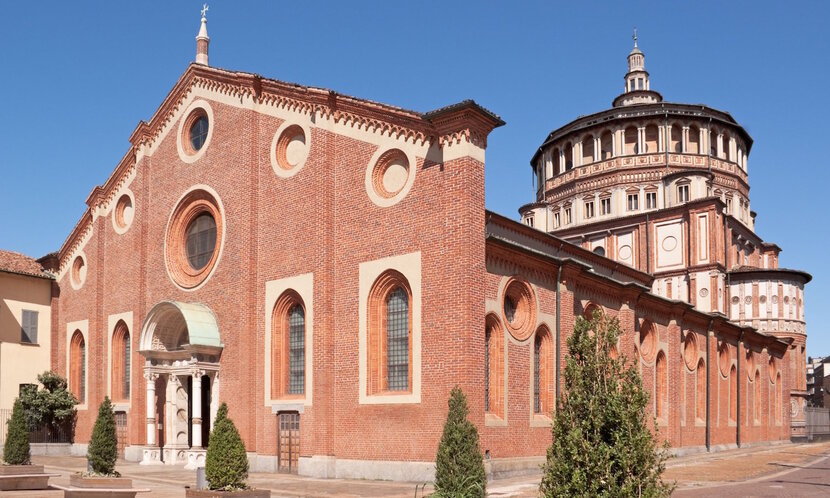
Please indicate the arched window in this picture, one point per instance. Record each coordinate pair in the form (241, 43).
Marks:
(288, 346)
(701, 390)
(77, 366)
(733, 393)
(559, 167)
(693, 147)
(493, 366)
(652, 137)
(676, 140)
(725, 149)
(661, 386)
(757, 396)
(120, 381)
(390, 328)
(544, 381)
(606, 141)
(587, 149)
(568, 150)
(630, 141)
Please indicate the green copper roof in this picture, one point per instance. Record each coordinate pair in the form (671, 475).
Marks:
(202, 329)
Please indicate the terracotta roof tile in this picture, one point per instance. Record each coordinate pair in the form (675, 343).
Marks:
(14, 262)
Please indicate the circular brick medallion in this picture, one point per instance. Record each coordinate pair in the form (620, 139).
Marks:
(123, 213)
(194, 238)
(290, 149)
(519, 308)
(389, 176)
(724, 359)
(648, 342)
(690, 353)
(77, 275)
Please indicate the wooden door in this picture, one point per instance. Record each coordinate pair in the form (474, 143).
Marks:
(121, 432)
(288, 442)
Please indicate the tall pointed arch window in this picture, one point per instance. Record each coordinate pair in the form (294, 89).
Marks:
(757, 397)
(77, 366)
(390, 335)
(733, 393)
(661, 386)
(700, 411)
(288, 343)
(544, 380)
(493, 366)
(120, 380)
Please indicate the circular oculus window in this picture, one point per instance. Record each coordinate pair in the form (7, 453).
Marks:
(519, 308)
(122, 215)
(389, 177)
(78, 272)
(289, 149)
(195, 131)
(194, 236)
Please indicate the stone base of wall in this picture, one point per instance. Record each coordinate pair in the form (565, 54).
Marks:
(133, 453)
(50, 449)
(498, 468)
(693, 450)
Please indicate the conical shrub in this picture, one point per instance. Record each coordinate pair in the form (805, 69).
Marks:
(459, 466)
(103, 447)
(226, 463)
(16, 448)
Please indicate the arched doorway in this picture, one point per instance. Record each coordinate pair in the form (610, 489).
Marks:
(180, 343)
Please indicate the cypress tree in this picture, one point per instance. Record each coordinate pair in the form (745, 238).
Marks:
(16, 448)
(602, 443)
(103, 446)
(226, 463)
(459, 466)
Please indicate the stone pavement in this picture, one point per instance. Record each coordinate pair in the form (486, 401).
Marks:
(694, 474)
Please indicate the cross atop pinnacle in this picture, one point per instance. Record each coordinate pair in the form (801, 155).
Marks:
(634, 36)
(205, 8)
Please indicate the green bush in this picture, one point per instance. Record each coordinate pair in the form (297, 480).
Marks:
(103, 447)
(16, 449)
(226, 463)
(459, 466)
(50, 406)
(602, 443)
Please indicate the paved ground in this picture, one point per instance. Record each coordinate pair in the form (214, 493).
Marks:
(782, 470)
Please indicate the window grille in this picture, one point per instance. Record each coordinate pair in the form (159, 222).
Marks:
(296, 350)
(126, 366)
(201, 241)
(198, 133)
(537, 350)
(82, 380)
(397, 340)
(487, 371)
(28, 331)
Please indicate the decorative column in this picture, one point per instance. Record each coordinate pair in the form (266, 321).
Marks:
(561, 161)
(196, 403)
(685, 136)
(150, 454)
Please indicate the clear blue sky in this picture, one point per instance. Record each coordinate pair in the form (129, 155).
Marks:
(76, 77)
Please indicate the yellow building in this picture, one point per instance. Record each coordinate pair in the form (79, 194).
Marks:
(26, 292)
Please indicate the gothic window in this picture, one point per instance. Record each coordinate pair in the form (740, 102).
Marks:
(493, 367)
(544, 381)
(120, 381)
(733, 393)
(77, 366)
(661, 386)
(390, 328)
(288, 341)
(701, 390)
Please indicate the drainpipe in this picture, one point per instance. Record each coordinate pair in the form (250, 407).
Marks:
(738, 393)
(708, 387)
(558, 314)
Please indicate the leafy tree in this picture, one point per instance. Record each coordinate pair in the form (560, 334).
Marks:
(459, 466)
(103, 446)
(16, 449)
(50, 406)
(602, 443)
(226, 463)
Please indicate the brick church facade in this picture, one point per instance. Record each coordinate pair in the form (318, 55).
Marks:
(326, 266)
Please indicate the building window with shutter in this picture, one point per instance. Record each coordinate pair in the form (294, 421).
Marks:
(28, 332)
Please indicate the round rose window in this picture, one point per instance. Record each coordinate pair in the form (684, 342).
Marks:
(194, 236)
